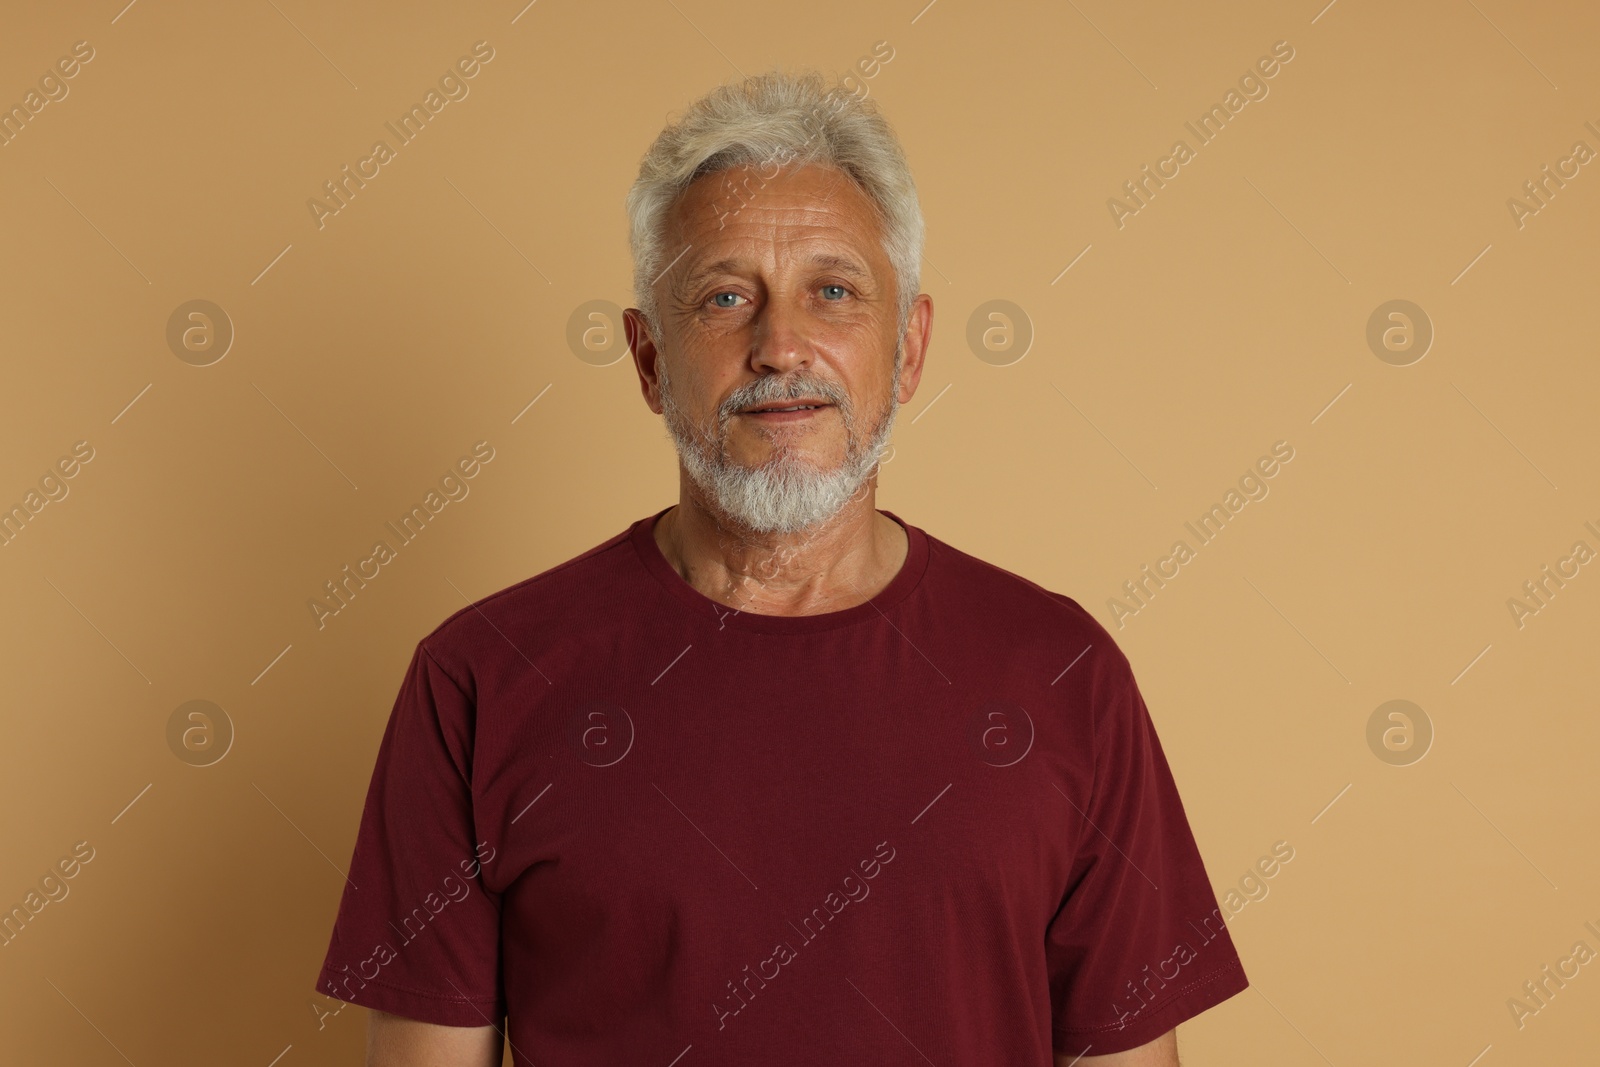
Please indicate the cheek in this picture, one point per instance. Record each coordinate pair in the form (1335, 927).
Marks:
(861, 344)
(699, 388)
(867, 364)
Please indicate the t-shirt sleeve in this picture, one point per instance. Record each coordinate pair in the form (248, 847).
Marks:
(417, 932)
(1139, 943)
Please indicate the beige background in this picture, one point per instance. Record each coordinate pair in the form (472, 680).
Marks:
(1229, 313)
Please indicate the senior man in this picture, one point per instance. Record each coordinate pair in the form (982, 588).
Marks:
(774, 776)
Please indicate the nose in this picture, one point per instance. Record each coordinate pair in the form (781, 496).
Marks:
(781, 342)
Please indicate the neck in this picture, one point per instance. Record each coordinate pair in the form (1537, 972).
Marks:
(844, 561)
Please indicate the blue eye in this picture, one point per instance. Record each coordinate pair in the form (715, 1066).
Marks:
(842, 289)
(719, 296)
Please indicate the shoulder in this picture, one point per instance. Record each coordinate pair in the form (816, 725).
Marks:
(529, 611)
(976, 581)
(1018, 613)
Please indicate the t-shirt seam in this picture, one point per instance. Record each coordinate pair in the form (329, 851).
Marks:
(426, 651)
(454, 998)
(1232, 967)
(613, 542)
(722, 617)
(1106, 706)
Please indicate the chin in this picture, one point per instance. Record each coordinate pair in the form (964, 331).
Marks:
(782, 499)
(824, 458)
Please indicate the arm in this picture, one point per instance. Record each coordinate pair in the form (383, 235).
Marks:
(395, 1041)
(1162, 1052)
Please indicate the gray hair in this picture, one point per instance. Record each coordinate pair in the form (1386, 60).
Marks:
(773, 120)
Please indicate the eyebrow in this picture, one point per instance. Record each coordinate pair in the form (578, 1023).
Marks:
(846, 265)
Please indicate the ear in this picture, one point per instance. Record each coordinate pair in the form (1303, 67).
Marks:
(919, 330)
(643, 349)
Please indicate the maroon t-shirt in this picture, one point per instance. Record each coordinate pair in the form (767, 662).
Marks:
(640, 826)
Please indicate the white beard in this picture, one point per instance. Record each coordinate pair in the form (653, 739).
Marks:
(787, 494)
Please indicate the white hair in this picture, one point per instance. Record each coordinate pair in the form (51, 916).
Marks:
(773, 120)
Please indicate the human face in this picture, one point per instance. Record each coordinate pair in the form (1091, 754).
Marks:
(783, 296)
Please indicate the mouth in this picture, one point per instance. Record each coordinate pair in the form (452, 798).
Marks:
(785, 410)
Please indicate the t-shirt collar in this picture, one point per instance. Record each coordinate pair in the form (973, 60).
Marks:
(717, 614)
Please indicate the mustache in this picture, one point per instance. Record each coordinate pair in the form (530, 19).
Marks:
(768, 390)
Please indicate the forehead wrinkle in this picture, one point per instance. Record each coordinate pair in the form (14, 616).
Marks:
(810, 216)
(834, 261)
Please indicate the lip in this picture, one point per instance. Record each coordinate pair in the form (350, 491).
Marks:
(793, 415)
